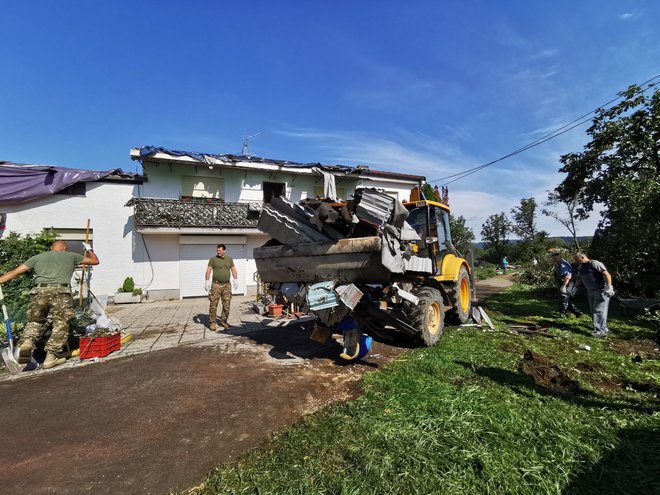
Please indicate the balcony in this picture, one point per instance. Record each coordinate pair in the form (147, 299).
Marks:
(188, 213)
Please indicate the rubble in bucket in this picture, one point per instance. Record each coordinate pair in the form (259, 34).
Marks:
(371, 222)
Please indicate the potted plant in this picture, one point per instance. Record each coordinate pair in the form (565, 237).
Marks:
(128, 293)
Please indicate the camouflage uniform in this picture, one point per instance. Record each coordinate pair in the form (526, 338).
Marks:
(51, 297)
(220, 291)
(53, 302)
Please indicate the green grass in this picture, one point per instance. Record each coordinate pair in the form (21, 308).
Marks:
(462, 418)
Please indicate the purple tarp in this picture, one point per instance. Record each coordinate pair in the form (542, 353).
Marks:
(20, 183)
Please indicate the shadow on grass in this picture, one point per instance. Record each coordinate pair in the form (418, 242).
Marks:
(525, 302)
(524, 384)
(632, 467)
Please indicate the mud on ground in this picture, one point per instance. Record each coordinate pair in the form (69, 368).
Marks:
(160, 421)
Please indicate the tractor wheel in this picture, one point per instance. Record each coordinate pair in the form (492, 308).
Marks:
(460, 296)
(428, 316)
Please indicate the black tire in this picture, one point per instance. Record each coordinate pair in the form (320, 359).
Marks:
(428, 316)
(460, 297)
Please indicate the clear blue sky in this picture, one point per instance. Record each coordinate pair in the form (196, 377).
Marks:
(424, 87)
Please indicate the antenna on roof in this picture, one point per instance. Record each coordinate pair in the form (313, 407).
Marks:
(246, 140)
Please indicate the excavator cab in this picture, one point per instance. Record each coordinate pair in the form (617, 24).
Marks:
(430, 219)
(431, 222)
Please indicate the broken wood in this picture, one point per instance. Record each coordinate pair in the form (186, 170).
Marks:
(485, 318)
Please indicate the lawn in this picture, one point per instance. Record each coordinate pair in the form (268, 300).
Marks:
(483, 412)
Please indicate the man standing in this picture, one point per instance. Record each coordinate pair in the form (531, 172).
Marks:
(505, 263)
(223, 270)
(50, 297)
(598, 282)
(566, 284)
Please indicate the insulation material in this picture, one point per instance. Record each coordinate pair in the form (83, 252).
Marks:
(349, 294)
(322, 296)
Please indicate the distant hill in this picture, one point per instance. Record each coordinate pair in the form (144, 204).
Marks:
(567, 239)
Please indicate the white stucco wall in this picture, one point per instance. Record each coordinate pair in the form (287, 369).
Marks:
(165, 181)
(110, 221)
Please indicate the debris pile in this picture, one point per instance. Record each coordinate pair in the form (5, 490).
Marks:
(370, 214)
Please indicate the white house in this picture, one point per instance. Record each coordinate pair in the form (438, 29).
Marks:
(190, 202)
(38, 197)
(162, 227)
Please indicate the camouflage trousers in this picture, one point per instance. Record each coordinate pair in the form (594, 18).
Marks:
(220, 292)
(54, 303)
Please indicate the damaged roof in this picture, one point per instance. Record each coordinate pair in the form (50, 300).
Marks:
(228, 159)
(20, 182)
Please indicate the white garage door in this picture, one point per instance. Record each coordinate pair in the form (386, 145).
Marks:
(195, 259)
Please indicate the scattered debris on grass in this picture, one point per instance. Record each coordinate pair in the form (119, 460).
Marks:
(638, 349)
(507, 347)
(547, 374)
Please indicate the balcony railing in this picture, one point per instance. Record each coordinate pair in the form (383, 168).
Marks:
(197, 212)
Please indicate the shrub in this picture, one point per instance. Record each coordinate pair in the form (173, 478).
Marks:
(128, 285)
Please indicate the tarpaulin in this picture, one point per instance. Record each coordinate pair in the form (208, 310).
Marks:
(20, 183)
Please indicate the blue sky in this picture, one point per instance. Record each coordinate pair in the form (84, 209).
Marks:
(423, 87)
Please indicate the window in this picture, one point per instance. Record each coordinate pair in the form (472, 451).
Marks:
(77, 189)
(273, 189)
(202, 187)
(72, 237)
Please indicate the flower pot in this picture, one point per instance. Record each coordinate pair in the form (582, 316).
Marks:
(127, 298)
(275, 309)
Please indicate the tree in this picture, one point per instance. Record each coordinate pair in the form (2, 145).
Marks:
(462, 236)
(494, 233)
(569, 221)
(620, 169)
(524, 219)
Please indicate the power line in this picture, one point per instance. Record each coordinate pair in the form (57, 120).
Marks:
(547, 137)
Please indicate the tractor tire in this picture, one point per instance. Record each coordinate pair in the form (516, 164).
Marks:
(427, 316)
(460, 297)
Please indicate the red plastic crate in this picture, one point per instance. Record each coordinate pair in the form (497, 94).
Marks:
(99, 346)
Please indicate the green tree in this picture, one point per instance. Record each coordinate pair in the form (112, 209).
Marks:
(494, 233)
(571, 217)
(524, 219)
(462, 236)
(532, 243)
(620, 169)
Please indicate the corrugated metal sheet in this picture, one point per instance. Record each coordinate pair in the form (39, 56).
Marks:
(375, 207)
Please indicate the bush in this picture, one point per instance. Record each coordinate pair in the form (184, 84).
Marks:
(540, 275)
(128, 285)
(487, 270)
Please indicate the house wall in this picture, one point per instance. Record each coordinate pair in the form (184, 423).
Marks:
(158, 267)
(110, 222)
(165, 181)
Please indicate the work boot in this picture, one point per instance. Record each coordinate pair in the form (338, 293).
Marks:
(51, 361)
(577, 313)
(213, 327)
(25, 351)
(225, 324)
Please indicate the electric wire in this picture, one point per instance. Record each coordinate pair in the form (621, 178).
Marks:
(547, 137)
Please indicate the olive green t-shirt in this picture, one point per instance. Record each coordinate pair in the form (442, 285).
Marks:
(53, 267)
(221, 268)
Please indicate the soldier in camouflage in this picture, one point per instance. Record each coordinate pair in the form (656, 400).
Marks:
(50, 297)
(222, 268)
